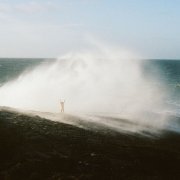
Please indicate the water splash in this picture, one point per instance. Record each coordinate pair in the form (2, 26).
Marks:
(102, 80)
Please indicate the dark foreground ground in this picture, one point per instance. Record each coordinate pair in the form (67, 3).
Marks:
(35, 148)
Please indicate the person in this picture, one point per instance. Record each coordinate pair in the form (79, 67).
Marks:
(62, 105)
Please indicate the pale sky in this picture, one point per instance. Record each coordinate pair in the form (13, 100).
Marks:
(48, 28)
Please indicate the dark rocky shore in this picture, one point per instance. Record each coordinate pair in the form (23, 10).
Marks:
(32, 148)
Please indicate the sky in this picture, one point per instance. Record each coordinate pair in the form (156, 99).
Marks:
(48, 28)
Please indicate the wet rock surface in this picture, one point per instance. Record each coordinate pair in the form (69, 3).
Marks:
(33, 148)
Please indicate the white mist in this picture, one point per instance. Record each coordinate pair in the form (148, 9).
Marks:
(104, 80)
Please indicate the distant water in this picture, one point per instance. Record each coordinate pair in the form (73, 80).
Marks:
(165, 71)
(11, 68)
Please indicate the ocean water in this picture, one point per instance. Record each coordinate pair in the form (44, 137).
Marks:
(163, 72)
(166, 72)
(142, 91)
(11, 68)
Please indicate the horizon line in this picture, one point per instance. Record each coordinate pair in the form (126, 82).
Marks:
(52, 58)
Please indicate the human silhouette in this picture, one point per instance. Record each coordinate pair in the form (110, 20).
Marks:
(62, 105)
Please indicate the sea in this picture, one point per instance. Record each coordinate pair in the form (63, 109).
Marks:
(167, 72)
(164, 71)
(34, 91)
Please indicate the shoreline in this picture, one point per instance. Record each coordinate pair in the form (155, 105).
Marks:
(37, 148)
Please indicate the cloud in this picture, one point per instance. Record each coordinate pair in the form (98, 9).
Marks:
(34, 7)
(4, 8)
(28, 7)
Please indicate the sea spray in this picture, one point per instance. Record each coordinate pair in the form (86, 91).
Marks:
(105, 80)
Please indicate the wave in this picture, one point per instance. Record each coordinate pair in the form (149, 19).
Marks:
(104, 80)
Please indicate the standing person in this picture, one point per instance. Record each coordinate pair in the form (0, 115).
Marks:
(62, 105)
